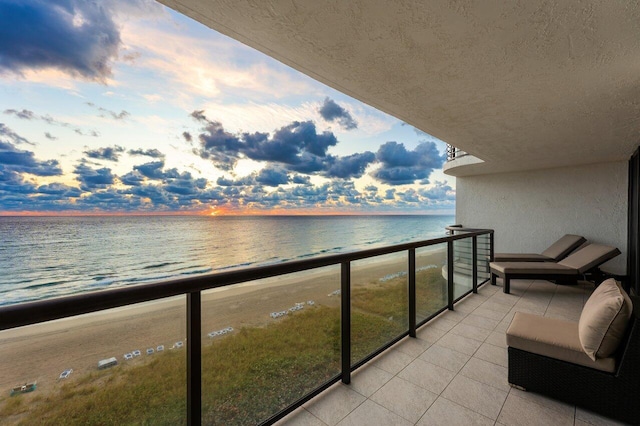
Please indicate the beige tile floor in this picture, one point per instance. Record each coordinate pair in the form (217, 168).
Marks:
(455, 371)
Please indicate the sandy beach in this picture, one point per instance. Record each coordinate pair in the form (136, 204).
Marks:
(41, 352)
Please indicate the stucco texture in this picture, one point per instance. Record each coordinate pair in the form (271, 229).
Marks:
(530, 210)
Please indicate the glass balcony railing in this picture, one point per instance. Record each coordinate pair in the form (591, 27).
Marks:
(241, 347)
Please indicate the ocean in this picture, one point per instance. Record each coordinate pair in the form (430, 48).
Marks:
(45, 257)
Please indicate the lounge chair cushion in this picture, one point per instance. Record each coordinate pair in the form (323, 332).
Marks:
(501, 268)
(604, 320)
(554, 253)
(521, 257)
(563, 246)
(589, 256)
(553, 338)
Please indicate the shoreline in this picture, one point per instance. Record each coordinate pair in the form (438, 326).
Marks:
(42, 351)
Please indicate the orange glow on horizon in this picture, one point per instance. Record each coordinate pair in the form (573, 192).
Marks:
(216, 211)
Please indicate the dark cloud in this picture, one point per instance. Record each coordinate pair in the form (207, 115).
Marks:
(199, 116)
(350, 166)
(77, 37)
(110, 153)
(441, 191)
(185, 184)
(133, 178)
(152, 170)
(300, 179)
(187, 136)
(50, 136)
(297, 147)
(12, 136)
(91, 179)
(20, 161)
(269, 176)
(400, 166)
(218, 145)
(272, 177)
(12, 182)
(108, 113)
(60, 190)
(390, 194)
(153, 153)
(331, 111)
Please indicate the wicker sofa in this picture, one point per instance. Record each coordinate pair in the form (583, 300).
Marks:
(609, 386)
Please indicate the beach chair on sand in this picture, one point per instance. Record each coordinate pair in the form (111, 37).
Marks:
(567, 270)
(557, 251)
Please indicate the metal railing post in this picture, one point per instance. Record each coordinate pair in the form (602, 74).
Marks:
(450, 275)
(491, 247)
(412, 292)
(474, 259)
(194, 359)
(345, 320)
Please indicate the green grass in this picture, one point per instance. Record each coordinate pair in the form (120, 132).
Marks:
(246, 377)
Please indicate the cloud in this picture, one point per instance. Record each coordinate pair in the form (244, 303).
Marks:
(269, 176)
(19, 161)
(110, 153)
(14, 189)
(441, 191)
(296, 147)
(91, 179)
(60, 190)
(133, 178)
(152, 170)
(108, 113)
(390, 194)
(153, 153)
(272, 177)
(351, 166)
(400, 166)
(212, 66)
(77, 37)
(25, 114)
(50, 136)
(12, 136)
(187, 136)
(331, 111)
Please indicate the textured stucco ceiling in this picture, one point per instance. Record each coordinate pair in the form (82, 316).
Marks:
(520, 84)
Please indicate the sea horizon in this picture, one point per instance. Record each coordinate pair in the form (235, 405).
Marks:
(54, 256)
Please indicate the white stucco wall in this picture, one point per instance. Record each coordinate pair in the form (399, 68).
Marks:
(530, 210)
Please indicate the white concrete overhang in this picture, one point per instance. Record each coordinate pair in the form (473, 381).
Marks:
(521, 85)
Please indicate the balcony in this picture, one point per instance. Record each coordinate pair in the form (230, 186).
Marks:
(245, 346)
(461, 163)
(442, 360)
(455, 370)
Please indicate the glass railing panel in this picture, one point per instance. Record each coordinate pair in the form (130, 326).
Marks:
(431, 281)
(462, 266)
(379, 302)
(118, 366)
(267, 343)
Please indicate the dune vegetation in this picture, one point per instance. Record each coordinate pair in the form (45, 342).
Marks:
(246, 376)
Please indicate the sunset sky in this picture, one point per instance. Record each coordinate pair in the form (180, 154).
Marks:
(129, 107)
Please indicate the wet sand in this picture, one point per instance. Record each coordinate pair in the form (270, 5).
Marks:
(41, 352)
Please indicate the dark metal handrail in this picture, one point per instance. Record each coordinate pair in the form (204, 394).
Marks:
(29, 313)
(46, 310)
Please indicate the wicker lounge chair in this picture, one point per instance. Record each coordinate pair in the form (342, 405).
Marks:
(568, 269)
(557, 251)
(609, 386)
